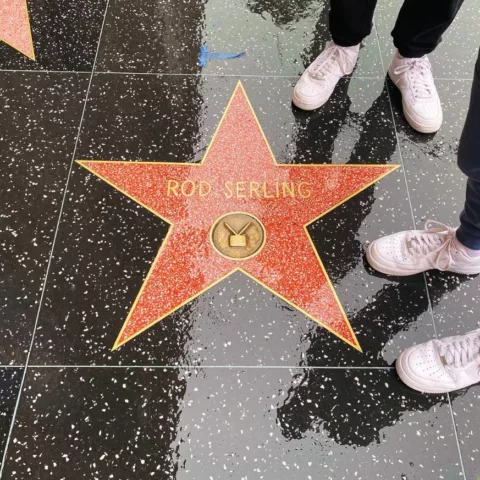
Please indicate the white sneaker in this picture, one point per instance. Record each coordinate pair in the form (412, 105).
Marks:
(421, 103)
(317, 83)
(441, 366)
(415, 251)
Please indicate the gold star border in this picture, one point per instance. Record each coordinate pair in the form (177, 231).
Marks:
(118, 343)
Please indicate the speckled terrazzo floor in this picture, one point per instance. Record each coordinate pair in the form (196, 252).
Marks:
(254, 378)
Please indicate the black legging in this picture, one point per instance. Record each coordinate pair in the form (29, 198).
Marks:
(419, 28)
(469, 163)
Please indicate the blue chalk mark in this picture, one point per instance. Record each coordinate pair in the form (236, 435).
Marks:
(206, 55)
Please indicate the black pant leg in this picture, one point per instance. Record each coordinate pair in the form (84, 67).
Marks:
(469, 163)
(421, 23)
(351, 20)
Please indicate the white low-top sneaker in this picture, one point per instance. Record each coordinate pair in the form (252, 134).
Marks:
(441, 366)
(421, 103)
(317, 83)
(415, 251)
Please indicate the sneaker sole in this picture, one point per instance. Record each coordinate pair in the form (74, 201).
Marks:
(413, 383)
(401, 273)
(386, 270)
(419, 127)
(308, 106)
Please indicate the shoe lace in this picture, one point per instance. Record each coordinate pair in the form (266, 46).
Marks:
(420, 74)
(332, 59)
(438, 238)
(461, 352)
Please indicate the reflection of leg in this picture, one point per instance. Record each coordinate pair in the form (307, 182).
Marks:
(420, 25)
(329, 121)
(351, 21)
(469, 163)
(377, 142)
(332, 411)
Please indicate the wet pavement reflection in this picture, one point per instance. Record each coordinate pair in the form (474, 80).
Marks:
(224, 423)
(276, 38)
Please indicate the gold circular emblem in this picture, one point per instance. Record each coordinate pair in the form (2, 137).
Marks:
(238, 235)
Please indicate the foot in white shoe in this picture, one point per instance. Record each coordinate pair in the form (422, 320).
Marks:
(317, 83)
(421, 103)
(415, 251)
(441, 366)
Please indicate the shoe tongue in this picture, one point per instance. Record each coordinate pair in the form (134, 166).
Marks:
(421, 85)
(336, 63)
(467, 350)
(422, 93)
(447, 353)
(330, 66)
(424, 242)
(448, 356)
(419, 73)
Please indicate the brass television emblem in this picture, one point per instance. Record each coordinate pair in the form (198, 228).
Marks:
(238, 235)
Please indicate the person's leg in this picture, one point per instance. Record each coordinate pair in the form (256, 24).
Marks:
(407, 253)
(469, 162)
(420, 25)
(351, 21)
(418, 31)
(448, 364)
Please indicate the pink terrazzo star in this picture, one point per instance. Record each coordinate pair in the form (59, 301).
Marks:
(15, 26)
(237, 174)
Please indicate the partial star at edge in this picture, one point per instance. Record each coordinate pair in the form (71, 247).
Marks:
(15, 26)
